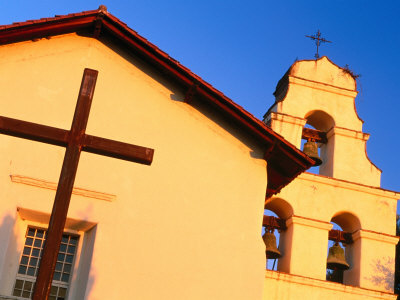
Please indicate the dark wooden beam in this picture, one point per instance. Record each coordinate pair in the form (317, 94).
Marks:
(65, 186)
(314, 135)
(274, 222)
(34, 132)
(60, 137)
(117, 149)
(334, 234)
(340, 236)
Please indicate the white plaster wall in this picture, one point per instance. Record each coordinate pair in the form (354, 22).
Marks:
(186, 227)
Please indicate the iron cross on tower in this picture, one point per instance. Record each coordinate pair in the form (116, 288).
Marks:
(75, 140)
(318, 40)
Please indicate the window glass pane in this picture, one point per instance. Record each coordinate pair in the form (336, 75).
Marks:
(22, 270)
(71, 249)
(33, 262)
(35, 252)
(17, 292)
(53, 290)
(59, 266)
(65, 277)
(28, 285)
(65, 239)
(73, 240)
(61, 257)
(26, 294)
(63, 248)
(62, 292)
(31, 271)
(18, 284)
(67, 268)
(38, 243)
(40, 233)
(69, 259)
(27, 250)
(29, 241)
(57, 276)
(24, 260)
(31, 232)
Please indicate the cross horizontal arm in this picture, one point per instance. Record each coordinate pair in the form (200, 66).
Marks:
(117, 149)
(60, 137)
(35, 132)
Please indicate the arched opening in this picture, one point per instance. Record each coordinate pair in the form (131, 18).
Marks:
(315, 169)
(276, 212)
(348, 221)
(272, 262)
(343, 255)
(318, 123)
(320, 120)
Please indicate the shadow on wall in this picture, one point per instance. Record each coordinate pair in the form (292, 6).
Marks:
(8, 250)
(86, 272)
(383, 273)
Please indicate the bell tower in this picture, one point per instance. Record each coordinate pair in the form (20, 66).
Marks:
(336, 228)
(319, 94)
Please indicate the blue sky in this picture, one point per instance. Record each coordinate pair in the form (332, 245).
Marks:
(244, 47)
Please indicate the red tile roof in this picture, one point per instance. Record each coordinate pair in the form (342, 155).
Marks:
(285, 161)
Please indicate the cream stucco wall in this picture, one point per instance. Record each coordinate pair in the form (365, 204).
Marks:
(186, 227)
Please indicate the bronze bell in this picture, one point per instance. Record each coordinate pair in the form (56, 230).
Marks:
(311, 149)
(271, 250)
(336, 258)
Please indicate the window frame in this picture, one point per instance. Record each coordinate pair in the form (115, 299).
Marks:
(58, 283)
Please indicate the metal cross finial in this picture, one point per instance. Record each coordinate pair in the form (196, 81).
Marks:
(318, 39)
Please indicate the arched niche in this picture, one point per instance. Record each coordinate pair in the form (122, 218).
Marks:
(283, 210)
(350, 223)
(322, 121)
(347, 221)
(280, 207)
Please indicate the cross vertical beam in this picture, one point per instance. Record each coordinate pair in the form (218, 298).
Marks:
(65, 186)
(318, 39)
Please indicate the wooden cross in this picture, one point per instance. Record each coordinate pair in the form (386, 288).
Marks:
(318, 39)
(75, 141)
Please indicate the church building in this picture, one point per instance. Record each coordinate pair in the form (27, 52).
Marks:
(181, 221)
(175, 181)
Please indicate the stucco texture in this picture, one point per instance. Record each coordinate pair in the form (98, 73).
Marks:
(186, 227)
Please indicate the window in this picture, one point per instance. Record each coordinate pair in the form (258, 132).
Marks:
(29, 264)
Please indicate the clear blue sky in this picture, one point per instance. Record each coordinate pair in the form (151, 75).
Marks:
(244, 47)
